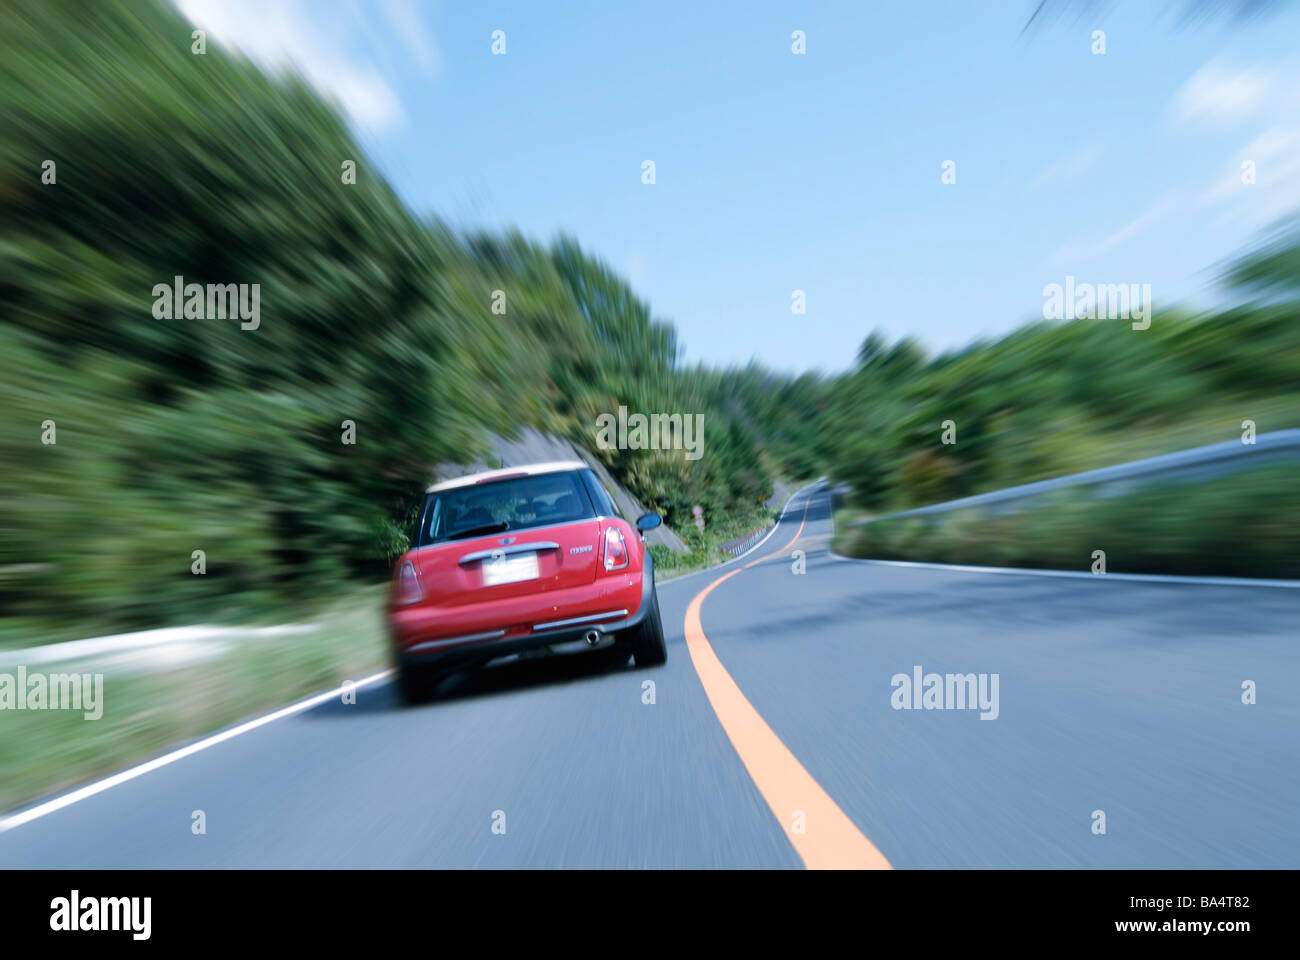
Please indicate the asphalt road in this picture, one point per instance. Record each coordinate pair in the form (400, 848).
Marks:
(1114, 696)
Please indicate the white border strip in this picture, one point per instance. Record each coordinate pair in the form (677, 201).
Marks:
(99, 786)
(118, 642)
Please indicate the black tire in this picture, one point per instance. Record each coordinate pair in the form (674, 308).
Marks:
(413, 684)
(648, 647)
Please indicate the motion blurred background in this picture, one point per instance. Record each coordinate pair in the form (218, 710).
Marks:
(192, 434)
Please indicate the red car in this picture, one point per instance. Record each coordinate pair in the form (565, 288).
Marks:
(518, 559)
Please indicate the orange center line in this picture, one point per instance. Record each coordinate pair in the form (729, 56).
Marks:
(821, 833)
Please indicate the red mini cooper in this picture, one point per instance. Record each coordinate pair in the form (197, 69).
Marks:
(520, 559)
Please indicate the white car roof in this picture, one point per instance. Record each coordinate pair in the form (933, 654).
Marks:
(556, 466)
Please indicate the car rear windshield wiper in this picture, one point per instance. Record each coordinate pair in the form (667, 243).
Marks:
(480, 530)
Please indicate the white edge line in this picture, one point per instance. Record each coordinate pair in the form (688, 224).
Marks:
(718, 566)
(99, 786)
(1073, 574)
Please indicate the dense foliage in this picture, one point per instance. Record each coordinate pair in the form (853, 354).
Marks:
(1242, 525)
(185, 434)
(1053, 399)
(1046, 400)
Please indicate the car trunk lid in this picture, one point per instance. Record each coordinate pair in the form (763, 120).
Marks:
(502, 565)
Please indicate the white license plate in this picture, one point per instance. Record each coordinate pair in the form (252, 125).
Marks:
(511, 569)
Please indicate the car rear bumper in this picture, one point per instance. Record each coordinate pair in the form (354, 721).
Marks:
(477, 632)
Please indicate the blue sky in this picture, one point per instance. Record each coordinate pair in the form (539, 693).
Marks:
(821, 172)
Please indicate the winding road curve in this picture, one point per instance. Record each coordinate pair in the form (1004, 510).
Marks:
(771, 740)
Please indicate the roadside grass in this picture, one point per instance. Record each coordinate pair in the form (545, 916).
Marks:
(149, 707)
(1242, 525)
(263, 610)
(1077, 450)
(1071, 444)
(842, 520)
(706, 545)
(146, 712)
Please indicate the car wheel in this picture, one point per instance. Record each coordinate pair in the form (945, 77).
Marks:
(413, 684)
(648, 647)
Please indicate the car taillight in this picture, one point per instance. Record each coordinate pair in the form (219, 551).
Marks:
(408, 584)
(615, 550)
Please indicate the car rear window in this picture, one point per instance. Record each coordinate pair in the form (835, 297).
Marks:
(605, 505)
(515, 503)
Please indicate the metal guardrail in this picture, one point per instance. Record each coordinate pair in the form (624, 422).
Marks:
(741, 544)
(1195, 464)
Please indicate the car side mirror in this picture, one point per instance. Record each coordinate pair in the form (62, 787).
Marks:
(648, 521)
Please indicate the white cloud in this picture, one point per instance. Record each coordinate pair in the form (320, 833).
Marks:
(1275, 154)
(1276, 157)
(1276, 190)
(1091, 250)
(318, 41)
(1266, 98)
(1068, 168)
(404, 17)
(1222, 95)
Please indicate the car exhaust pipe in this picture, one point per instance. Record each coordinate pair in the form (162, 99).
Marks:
(592, 637)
